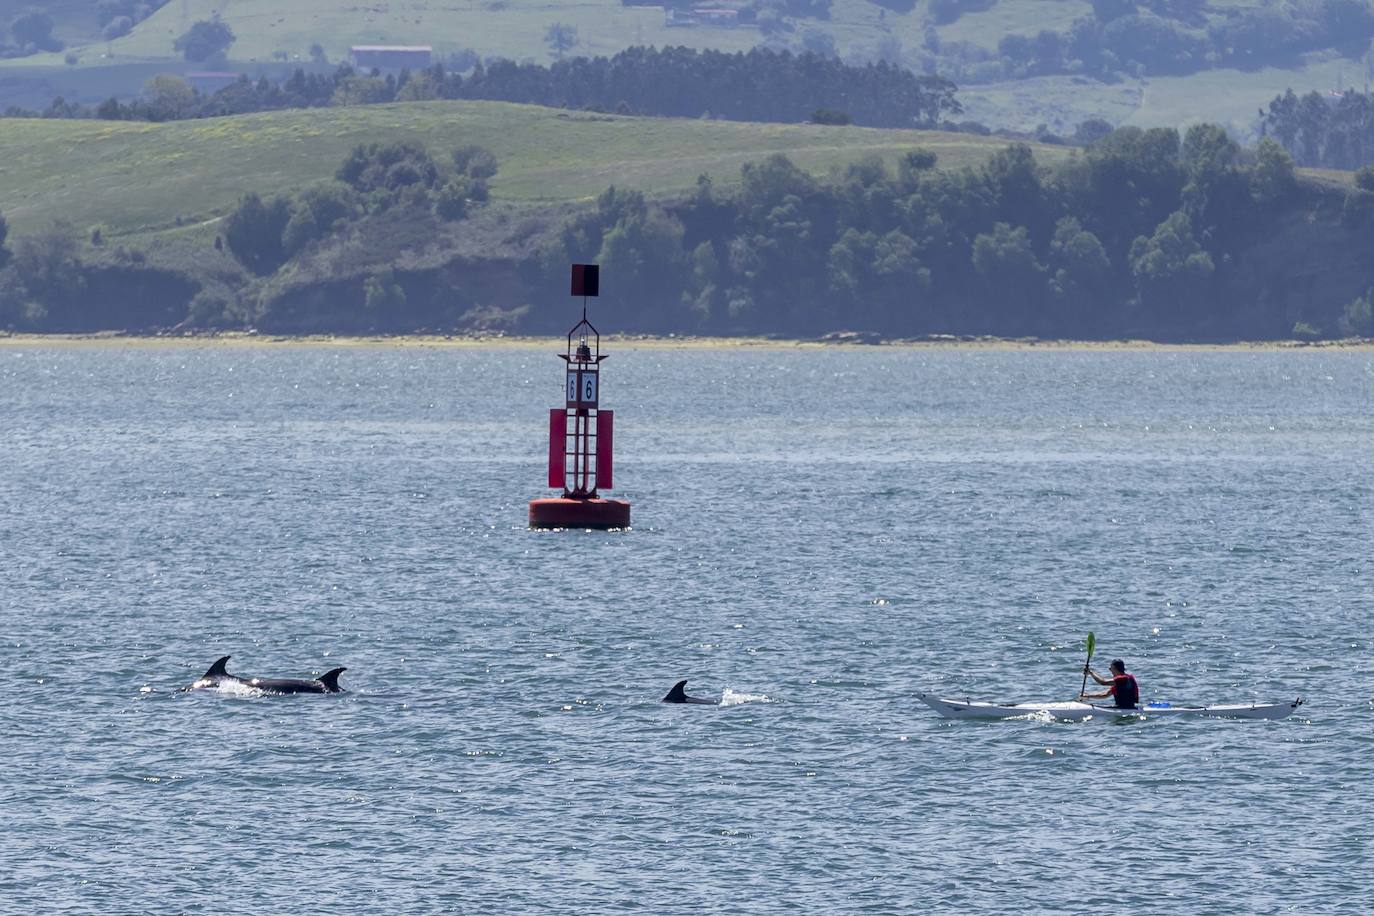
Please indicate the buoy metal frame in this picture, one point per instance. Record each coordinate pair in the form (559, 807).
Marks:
(581, 435)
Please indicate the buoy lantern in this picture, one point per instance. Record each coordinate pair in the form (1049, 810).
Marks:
(581, 434)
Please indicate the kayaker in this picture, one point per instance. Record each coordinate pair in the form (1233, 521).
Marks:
(1120, 686)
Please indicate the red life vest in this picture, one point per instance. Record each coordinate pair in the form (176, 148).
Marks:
(1126, 691)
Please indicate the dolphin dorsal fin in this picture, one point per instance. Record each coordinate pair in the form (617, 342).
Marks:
(217, 669)
(330, 680)
(678, 694)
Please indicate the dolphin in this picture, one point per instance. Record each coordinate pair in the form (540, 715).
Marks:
(679, 695)
(218, 677)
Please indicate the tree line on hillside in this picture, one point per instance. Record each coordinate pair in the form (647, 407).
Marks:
(1147, 233)
(1323, 131)
(756, 85)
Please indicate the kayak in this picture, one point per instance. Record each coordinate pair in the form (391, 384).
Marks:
(1077, 711)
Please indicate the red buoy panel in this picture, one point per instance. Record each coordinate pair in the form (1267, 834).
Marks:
(558, 446)
(605, 421)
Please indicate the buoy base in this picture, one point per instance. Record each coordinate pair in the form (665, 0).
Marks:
(579, 513)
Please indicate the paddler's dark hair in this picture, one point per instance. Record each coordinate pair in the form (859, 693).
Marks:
(1118, 665)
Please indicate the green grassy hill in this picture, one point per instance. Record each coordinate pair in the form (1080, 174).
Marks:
(407, 260)
(136, 177)
(272, 35)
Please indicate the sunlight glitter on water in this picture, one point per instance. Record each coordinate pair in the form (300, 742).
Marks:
(831, 539)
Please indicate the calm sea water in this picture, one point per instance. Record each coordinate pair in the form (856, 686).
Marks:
(818, 534)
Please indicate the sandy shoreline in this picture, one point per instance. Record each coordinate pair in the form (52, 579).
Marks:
(646, 341)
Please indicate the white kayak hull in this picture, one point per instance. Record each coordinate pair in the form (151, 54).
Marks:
(1076, 711)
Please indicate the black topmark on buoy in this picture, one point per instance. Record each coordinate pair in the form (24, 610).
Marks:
(581, 434)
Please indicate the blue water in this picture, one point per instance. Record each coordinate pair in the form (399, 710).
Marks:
(817, 535)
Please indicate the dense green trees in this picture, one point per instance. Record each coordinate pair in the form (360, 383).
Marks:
(474, 161)
(1125, 185)
(46, 280)
(1143, 233)
(1006, 261)
(1320, 130)
(32, 31)
(363, 90)
(169, 97)
(758, 85)
(381, 292)
(1357, 318)
(315, 213)
(253, 231)
(264, 234)
(388, 167)
(451, 200)
(1080, 282)
(643, 244)
(1217, 192)
(467, 184)
(1170, 268)
(1272, 179)
(204, 40)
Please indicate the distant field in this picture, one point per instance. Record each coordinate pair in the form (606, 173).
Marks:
(1231, 98)
(1015, 17)
(508, 28)
(272, 34)
(135, 177)
(515, 28)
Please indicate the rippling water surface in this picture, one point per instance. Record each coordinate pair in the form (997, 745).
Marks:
(818, 534)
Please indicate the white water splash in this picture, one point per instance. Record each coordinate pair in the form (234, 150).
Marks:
(1043, 716)
(732, 698)
(236, 689)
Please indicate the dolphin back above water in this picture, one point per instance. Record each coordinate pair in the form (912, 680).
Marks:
(217, 678)
(679, 695)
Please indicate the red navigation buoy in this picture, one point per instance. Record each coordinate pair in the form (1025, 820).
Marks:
(580, 433)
